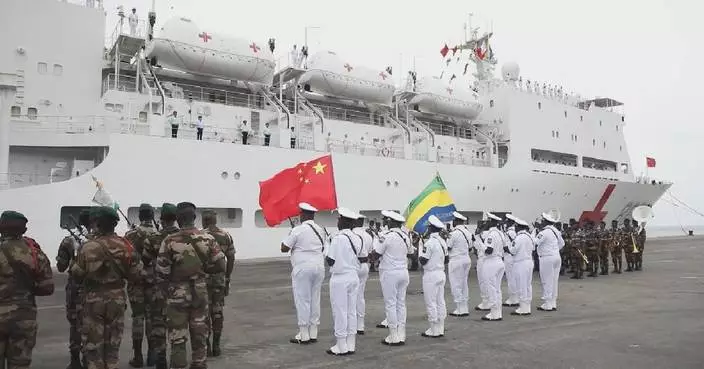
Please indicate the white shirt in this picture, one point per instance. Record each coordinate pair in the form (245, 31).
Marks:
(344, 249)
(479, 245)
(199, 123)
(495, 239)
(133, 20)
(366, 239)
(434, 251)
(172, 120)
(549, 242)
(306, 248)
(510, 236)
(244, 128)
(459, 242)
(394, 246)
(522, 247)
(266, 131)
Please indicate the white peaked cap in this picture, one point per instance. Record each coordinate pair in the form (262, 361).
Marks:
(435, 221)
(458, 216)
(550, 218)
(307, 207)
(393, 215)
(361, 216)
(492, 216)
(347, 213)
(511, 217)
(519, 221)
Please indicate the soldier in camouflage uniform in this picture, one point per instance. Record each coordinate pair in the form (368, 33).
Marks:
(25, 272)
(219, 283)
(616, 247)
(103, 266)
(141, 310)
(565, 252)
(153, 296)
(65, 258)
(604, 248)
(185, 260)
(640, 243)
(627, 242)
(592, 249)
(578, 243)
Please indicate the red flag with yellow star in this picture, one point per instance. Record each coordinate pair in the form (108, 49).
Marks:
(312, 182)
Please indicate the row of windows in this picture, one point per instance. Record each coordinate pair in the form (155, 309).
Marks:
(581, 117)
(16, 112)
(574, 138)
(43, 68)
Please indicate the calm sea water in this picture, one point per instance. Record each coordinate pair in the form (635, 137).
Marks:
(668, 231)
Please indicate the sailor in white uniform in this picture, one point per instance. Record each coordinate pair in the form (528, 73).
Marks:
(306, 243)
(512, 300)
(522, 249)
(458, 246)
(432, 255)
(549, 244)
(493, 269)
(366, 240)
(393, 247)
(342, 257)
(133, 21)
(480, 246)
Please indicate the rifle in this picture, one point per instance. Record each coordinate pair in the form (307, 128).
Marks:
(77, 225)
(156, 225)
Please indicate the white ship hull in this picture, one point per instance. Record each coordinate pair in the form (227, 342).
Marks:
(147, 169)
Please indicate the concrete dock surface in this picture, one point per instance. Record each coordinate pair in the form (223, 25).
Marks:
(652, 319)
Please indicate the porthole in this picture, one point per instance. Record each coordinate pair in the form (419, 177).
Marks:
(565, 113)
(223, 175)
(539, 106)
(236, 176)
(395, 183)
(581, 118)
(388, 183)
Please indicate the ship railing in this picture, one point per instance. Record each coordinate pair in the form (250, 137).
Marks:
(97, 4)
(356, 148)
(122, 27)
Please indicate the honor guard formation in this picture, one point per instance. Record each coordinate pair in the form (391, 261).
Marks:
(175, 277)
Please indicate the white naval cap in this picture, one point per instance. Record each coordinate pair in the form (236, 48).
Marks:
(393, 215)
(458, 216)
(492, 216)
(347, 213)
(307, 207)
(511, 217)
(436, 222)
(550, 218)
(519, 221)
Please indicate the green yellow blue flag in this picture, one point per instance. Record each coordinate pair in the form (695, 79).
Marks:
(433, 200)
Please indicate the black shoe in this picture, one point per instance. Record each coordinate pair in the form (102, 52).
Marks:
(329, 352)
(151, 357)
(382, 326)
(510, 305)
(216, 345)
(75, 361)
(604, 273)
(477, 308)
(575, 277)
(383, 342)
(491, 320)
(138, 360)
(593, 275)
(629, 270)
(519, 314)
(299, 342)
(360, 333)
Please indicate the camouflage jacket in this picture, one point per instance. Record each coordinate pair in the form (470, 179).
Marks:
(188, 255)
(105, 263)
(626, 238)
(592, 238)
(150, 252)
(578, 240)
(227, 246)
(25, 272)
(138, 237)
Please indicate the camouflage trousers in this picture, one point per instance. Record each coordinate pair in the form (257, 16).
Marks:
(73, 315)
(593, 257)
(18, 335)
(629, 257)
(187, 315)
(216, 302)
(604, 260)
(617, 258)
(141, 322)
(103, 323)
(156, 315)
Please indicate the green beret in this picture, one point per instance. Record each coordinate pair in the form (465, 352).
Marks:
(12, 216)
(168, 209)
(106, 212)
(185, 205)
(143, 207)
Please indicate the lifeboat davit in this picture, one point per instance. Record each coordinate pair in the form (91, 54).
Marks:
(181, 45)
(328, 74)
(438, 97)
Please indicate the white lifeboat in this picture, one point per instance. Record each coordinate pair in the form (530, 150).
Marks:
(181, 45)
(436, 96)
(328, 74)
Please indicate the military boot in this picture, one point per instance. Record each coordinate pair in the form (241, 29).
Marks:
(137, 361)
(208, 347)
(216, 344)
(161, 361)
(75, 360)
(151, 355)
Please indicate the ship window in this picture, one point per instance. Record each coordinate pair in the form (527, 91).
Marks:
(41, 68)
(491, 103)
(109, 106)
(622, 119)
(604, 144)
(565, 113)
(557, 134)
(119, 107)
(598, 164)
(599, 123)
(617, 128)
(539, 106)
(552, 157)
(553, 134)
(15, 111)
(581, 118)
(620, 148)
(226, 217)
(575, 138)
(142, 116)
(58, 70)
(593, 142)
(32, 113)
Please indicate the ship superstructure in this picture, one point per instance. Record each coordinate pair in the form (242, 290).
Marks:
(74, 106)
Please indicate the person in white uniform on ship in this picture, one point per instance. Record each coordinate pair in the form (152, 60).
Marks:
(342, 258)
(458, 246)
(133, 20)
(306, 243)
(549, 243)
(493, 269)
(432, 255)
(522, 249)
(393, 247)
(512, 300)
(366, 240)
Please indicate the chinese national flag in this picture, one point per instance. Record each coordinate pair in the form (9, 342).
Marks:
(312, 182)
(650, 162)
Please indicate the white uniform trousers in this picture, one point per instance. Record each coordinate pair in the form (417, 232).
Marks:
(458, 272)
(343, 299)
(434, 295)
(523, 272)
(363, 275)
(549, 274)
(481, 280)
(307, 280)
(394, 284)
(493, 271)
(510, 279)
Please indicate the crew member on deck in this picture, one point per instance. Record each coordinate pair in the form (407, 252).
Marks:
(432, 256)
(133, 21)
(458, 268)
(306, 243)
(266, 132)
(174, 123)
(522, 249)
(244, 128)
(549, 244)
(199, 128)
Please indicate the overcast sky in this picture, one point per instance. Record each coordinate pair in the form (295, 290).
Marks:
(645, 53)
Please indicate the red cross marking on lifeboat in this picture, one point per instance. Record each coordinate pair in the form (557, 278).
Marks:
(205, 36)
(597, 215)
(449, 90)
(254, 47)
(382, 75)
(348, 67)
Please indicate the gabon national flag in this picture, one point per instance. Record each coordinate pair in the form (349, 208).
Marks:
(650, 162)
(312, 182)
